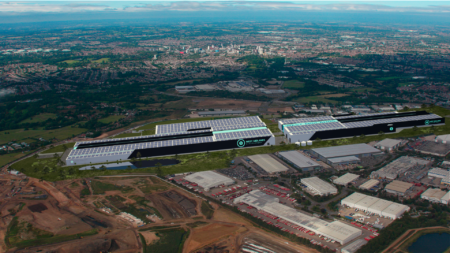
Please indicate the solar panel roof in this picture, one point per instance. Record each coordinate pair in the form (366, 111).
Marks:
(314, 127)
(365, 115)
(242, 134)
(137, 137)
(129, 148)
(220, 123)
(303, 120)
(391, 120)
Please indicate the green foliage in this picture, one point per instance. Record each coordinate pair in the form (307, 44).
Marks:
(171, 241)
(400, 226)
(228, 94)
(207, 210)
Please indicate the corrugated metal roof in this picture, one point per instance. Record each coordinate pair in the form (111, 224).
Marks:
(298, 159)
(346, 150)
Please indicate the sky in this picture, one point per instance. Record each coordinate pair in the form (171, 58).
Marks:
(54, 6)
(408, 12)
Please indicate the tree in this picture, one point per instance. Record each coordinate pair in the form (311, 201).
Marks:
(138, 155)
(103, 168)
(415, 128)
(159, 170)
(46, 170)
(71, 171)
(362, 136)
(318, 140)
(128, 168)
(381, 133)
(56, 156)
(35, 156)
(423, 106)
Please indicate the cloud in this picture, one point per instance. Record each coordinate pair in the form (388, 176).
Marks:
(74, 7)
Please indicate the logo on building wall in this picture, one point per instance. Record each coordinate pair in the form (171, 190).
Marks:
(427, 122)
(391, 129)
(241, 143)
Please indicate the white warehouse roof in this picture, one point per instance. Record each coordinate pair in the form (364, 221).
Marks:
(366, 202)
(375, 205)
(346, 150)
(340, 231)
(345, 179)
(353, 199)
(395, 210)
(379, 206)
(369, 184)
(433, 194)
(209, 179)
(354, 246)
(319, 186)
(388, 143)
(336, 230)
(268, 164)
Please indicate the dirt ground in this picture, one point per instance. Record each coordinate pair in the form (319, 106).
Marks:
(227, 104)
(208, 234)
(149, 236)
(280, 109)
(168, 208)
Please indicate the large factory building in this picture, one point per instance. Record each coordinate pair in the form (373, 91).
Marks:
(174, 139)
(333, 127)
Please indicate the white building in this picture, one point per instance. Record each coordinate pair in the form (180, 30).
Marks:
(442, 138)
(346, 179)
(388, 144)
(440, 173)
(268, 164)
(209, 179)
(335, 230)
(369, 184)
(436, 196)
(354, 246)
(381, 207)
(317, 186)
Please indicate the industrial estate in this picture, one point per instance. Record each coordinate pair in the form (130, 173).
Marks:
(337, 197)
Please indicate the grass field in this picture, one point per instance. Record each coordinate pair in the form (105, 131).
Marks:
(5, 159)
(358, 90)
(59, 148)
(182, 81)
(106, 60)
(40, 118)
(389, 78)
(110, 119)
(315, 99)
(171, 240)
(21, 134)
(293, 84)
(70, 61)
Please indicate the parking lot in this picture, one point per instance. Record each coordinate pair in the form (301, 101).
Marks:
(363, 219)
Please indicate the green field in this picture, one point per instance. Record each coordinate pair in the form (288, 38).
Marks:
(70, 61)
(388, 78)
(110, 119)
(171, 241)
(105, 60)
(21, 134)
(59, 148)
(39, 118)
(315, 99)
(293, 84)
(5, 159)
(182, 81)
(363, 89)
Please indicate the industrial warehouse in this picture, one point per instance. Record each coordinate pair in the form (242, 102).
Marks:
(180, 138)
(317, 186)
(436, 196)
(335, 230)
(399, 166)
(346, 179)
(209, 179)
(333, 127)
(299, 161)
(268, 164)
(344, 154)
(381, 207)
